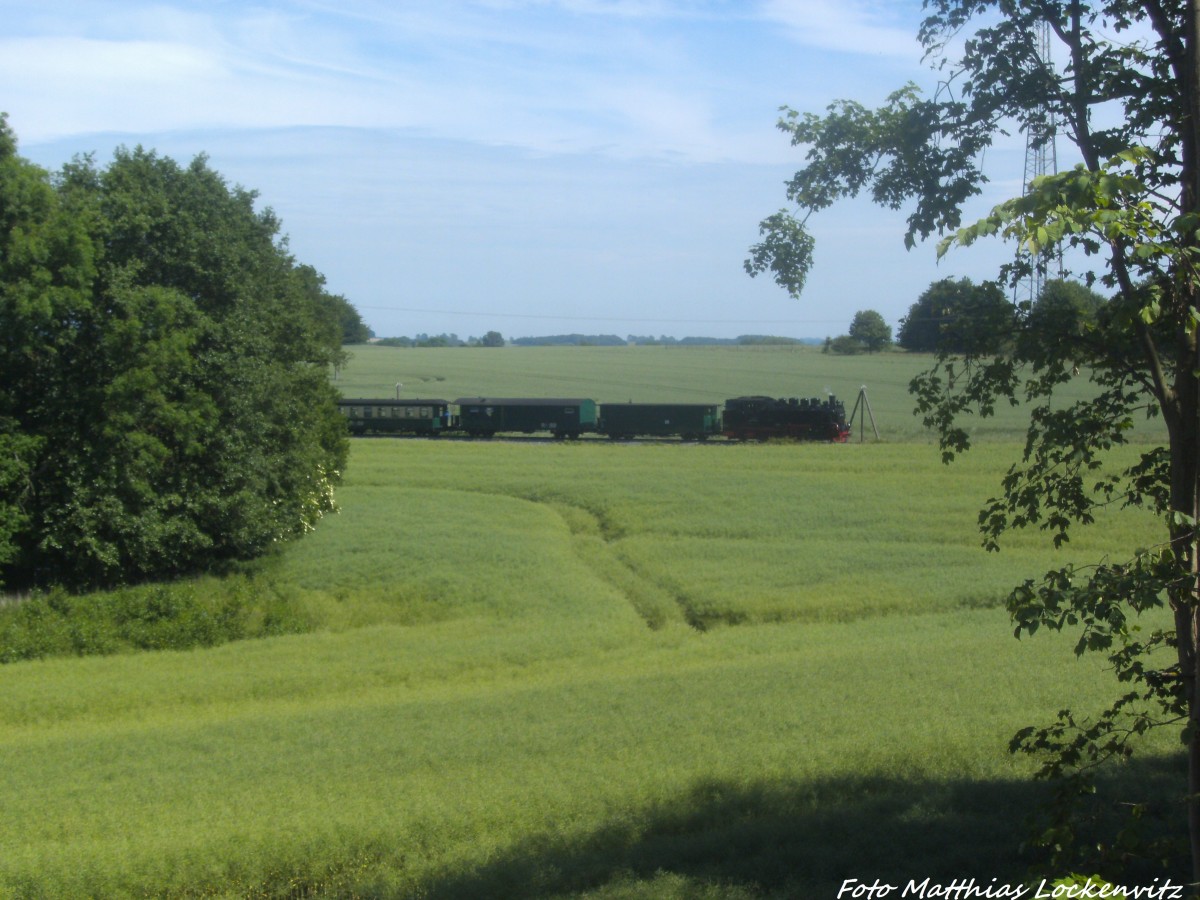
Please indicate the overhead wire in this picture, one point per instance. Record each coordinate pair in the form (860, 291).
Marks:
(562, 318)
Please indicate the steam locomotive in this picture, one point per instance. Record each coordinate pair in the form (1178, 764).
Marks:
(756, 418)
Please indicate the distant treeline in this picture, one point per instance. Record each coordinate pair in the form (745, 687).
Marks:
(493, 339)
(612, 340)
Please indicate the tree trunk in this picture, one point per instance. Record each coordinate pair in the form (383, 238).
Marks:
(1180, 410)
(1187, 630)
(1187, 611)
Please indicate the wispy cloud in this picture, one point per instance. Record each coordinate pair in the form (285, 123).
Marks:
(553, 76)
(565, 158)
(859, 27)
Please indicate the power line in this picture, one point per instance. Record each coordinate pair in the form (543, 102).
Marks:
(691, 321)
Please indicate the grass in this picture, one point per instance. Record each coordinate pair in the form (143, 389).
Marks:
(575, 670)
(461, 763)
(201, 612)
(735, 534)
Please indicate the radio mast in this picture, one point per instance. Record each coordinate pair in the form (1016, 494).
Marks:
(1040, 159)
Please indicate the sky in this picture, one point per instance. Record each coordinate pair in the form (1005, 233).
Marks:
(529, 167)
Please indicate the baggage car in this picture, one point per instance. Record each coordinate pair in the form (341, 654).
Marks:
(690, 421)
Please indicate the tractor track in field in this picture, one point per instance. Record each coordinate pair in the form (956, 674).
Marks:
(596, 537)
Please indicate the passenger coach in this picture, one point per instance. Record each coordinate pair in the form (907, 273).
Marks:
(412, 416)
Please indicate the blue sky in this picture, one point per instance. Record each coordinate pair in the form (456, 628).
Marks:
(524, 166)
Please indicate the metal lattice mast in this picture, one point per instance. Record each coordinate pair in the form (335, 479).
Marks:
(1040, 159)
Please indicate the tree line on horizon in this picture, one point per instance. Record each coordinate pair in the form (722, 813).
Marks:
(495, 339)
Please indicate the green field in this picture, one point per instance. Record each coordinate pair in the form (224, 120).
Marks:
(646, 374)
(529, 669)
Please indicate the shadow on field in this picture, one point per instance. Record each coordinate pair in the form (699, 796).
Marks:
(723, 841)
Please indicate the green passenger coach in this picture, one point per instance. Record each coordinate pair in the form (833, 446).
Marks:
(409, 416)
(564, 418)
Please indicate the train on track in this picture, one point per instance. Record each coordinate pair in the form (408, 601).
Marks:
(739, 419)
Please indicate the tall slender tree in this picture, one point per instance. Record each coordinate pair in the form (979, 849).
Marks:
(1128, 95)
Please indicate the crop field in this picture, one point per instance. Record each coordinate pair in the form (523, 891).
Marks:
(669, 374)
(580, 670)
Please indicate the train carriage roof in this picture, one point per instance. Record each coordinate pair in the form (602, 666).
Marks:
(663, 405)
(522, 401)
(391, 401)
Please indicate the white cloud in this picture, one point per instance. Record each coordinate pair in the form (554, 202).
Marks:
(516, 155)
(620, 8)
(70, 85)
(625, 77)
(847, 26)
(114, 64)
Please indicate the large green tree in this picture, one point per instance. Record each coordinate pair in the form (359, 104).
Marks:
(1127, 92)
(871, 330)
(956, 315)
(47, 265)
(163, 373)
(335, 312)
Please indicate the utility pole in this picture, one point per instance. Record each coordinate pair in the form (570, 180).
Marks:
(862, 412)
